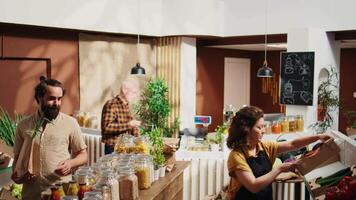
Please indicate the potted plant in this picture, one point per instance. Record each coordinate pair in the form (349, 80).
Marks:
(156, 139)
(153, 108)
(351, 122)
(328, 101)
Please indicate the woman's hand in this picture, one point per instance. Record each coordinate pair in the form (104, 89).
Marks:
(287, 167)
(324, 137)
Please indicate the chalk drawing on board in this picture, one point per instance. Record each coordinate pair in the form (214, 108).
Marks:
(297, 74)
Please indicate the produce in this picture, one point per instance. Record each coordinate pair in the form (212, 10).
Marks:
(16, 190)
(335, 178)
(8, 127)
(345, 190)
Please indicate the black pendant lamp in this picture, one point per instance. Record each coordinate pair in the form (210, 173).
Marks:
(265, 71)
(137, 69)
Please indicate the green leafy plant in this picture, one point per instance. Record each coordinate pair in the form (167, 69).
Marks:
(328, 100)
(8, 127)
(351, 118)
(156, 139)
(220, 131)
(153, 108)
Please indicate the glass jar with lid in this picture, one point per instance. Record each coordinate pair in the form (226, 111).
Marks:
(268, 127)
(72, 188)
(300, 123)
(128, 183)
(70, 197)
(55, 193)
(143, 173)
(85, 177)
(141, 145)
(60, 189)
(108, 178)
(292, 124)
(93, 195)
(284, 125)
(276, 127)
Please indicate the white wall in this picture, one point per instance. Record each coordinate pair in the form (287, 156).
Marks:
(327, 53)
(182, 17)
(188, 82)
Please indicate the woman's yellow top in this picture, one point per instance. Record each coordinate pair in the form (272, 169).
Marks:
(237, 161)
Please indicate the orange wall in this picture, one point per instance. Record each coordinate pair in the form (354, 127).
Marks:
(25, 49)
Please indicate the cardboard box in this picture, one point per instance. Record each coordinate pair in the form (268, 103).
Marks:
(327, 153)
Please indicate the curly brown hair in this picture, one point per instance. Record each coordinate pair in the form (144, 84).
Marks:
(241, 125)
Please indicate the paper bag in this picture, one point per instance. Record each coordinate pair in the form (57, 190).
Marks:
(169, 149)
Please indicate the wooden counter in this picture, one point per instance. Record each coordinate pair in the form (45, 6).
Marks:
(169, 187)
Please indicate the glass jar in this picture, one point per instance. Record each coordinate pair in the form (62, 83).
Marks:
(268, 127)
(128, 183)
(93, 195)
(85, 177)
(284, 125)
(83, 188)
(72, 188)
(107, 178)
(94, 122)
(55, 193)
(60, 189)
(141, 145)
(70, 198)
(300, 123)
(143, 174)
(292, 124)
(276, 127)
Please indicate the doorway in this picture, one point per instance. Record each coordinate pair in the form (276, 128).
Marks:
(237, 82)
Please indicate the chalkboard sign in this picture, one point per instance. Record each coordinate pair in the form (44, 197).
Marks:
(297, 77)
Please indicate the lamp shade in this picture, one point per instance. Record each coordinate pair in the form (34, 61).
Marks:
(264, 71)
(137, 69)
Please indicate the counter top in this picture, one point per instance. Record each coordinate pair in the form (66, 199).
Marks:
(168, 187)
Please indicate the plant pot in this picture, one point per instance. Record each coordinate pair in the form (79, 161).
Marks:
(162, 171)
(321, 112)
(214, 147)
(350, 131)
(156, 174)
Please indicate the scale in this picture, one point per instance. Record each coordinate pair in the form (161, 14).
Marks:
(202, 120)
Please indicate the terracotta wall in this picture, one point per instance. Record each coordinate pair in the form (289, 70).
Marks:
(210, 81)
(27, 53)
(347, 84)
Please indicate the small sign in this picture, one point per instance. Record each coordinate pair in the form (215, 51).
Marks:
(205, 120)
(297, 78)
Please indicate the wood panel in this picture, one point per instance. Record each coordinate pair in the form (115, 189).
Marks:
(59, 47)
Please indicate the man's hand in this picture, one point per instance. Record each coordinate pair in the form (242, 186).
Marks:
(134, 123)
(286, 167)
(324, 137)
(64, 168)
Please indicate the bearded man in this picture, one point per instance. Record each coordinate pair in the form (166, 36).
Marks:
(48, 144)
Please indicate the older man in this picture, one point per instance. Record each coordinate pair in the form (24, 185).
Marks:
(116, 117)
(48, 144)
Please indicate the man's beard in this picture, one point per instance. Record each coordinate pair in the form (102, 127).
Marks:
(50, 112)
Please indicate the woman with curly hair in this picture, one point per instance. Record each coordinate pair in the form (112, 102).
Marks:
(251, 159)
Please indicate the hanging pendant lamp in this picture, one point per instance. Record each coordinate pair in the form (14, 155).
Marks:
(265, 71)
(138, 69)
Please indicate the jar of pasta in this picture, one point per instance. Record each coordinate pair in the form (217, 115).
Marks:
(143, 174)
